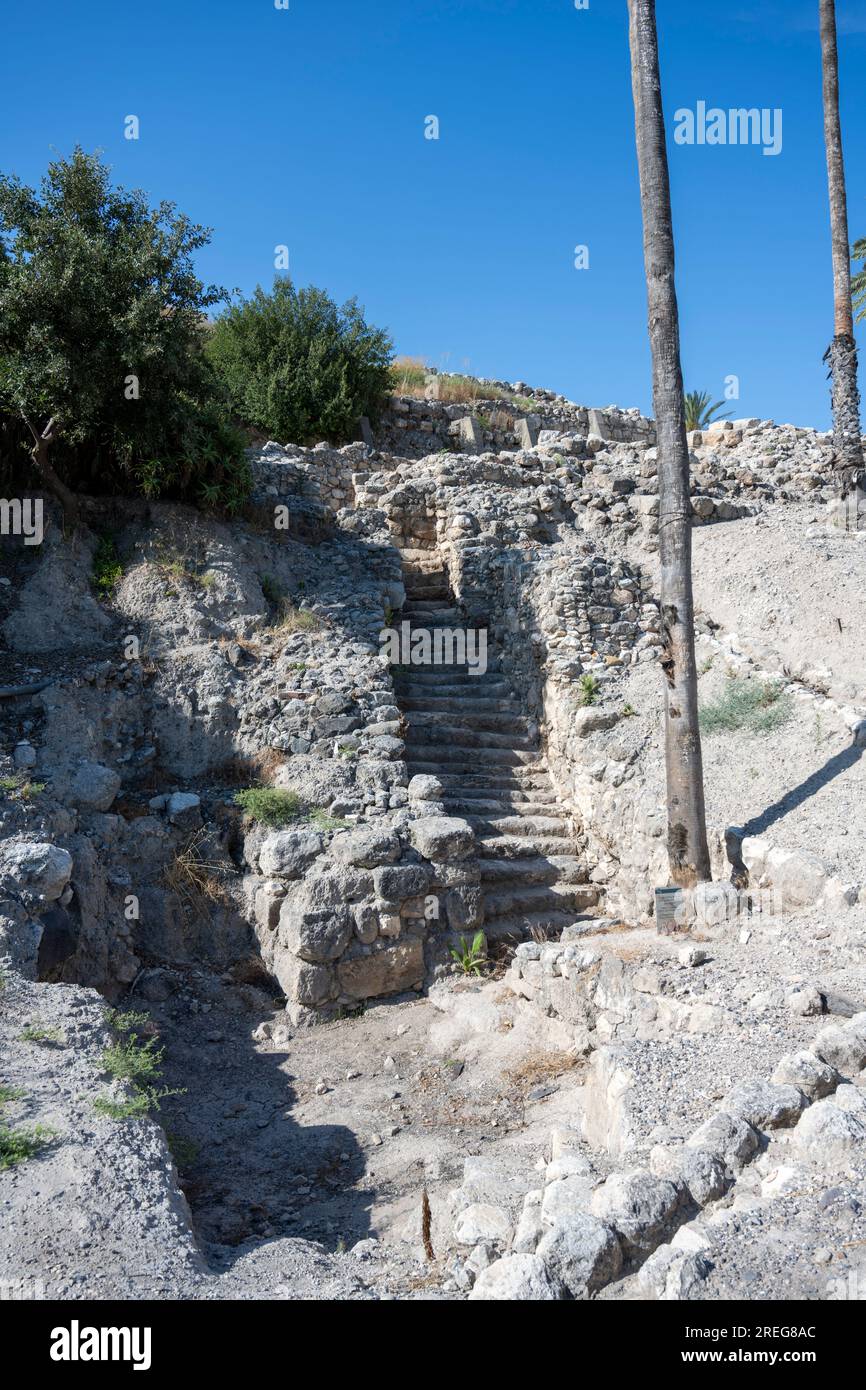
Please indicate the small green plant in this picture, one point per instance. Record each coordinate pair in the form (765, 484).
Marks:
(144, 1100)
(125, 1020)
(35, 1033)
(322, 821)
(133, 1060)
(184, 1151)
(273, 806)
(629, 712)
(589, 690)
(20, 787)
(345, 750)
(107, 569)
(17, 1145)
(756, 706)
(137, 1063)
(471, 959)
(706, 665)
(8, 1093)
(272, 589)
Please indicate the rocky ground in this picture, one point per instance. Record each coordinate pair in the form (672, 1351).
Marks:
(572, 1110)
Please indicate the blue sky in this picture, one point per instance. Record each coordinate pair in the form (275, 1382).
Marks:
(305, 127)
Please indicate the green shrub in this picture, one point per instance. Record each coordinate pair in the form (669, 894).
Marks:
(107, 569)
(470, 959)
(16, 1145)
(753, 705)
(298, 367)
(132, 1060)
(589, 690)
(272, 806)
(103, 374)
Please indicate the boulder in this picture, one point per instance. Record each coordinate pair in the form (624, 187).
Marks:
(440, 838)
(183, 809)
(764, 1104)
(639, 1206)
(94, 787)
(425, 787)
(843, 1046)
(287, 853)
(704, 1174)
(34, 869)
(670, 1274)
(581, 1253)
(315, 935)
(830, 1134)
(516, 1279)
(482, 1222)
(803, 1069)
(366, 849)
(732, 1140)
(387, 971)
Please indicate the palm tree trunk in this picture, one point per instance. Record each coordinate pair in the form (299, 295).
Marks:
(842, 352)
(688, 852)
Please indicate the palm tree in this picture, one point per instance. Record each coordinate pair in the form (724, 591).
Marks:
(842, 352)
(688, 852)
(700, 412)
(858, 281)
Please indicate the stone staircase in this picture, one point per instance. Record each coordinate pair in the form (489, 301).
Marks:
(470, 732)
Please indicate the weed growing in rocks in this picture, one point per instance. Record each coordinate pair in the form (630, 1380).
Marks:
(272, 806)
(750, 705)
(470, 960)
(107, 570)
(137, 1063)
(589, 690)
(196, 881)
(46, 1037)
(20, 788)
(17, 1145)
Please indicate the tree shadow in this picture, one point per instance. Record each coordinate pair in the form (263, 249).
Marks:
(250, 1172)
(809, 787)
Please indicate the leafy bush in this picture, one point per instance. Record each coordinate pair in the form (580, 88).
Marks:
(590, 687)
(298, 367)
(16, 1145)
(271, 806)
(107, 569)
(753, 705)
(102, 324)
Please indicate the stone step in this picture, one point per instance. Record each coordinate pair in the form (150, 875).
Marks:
(555, 868)
(525, 847)
(418, 750)
(518, 779)
(478, 714)
(460, 672)
(431, 615)
(430, 732)
(534, 898)
(452, 704)
(522, 926)
(494, 722)
(472, 806)
(447, 685)
(548, 827)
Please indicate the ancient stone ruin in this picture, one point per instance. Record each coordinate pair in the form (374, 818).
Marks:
(443, 933)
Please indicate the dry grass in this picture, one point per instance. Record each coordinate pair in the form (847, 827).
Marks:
(292, 619)
(409, 376)
(198, 883)
(243, 768)
(539, 1067)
